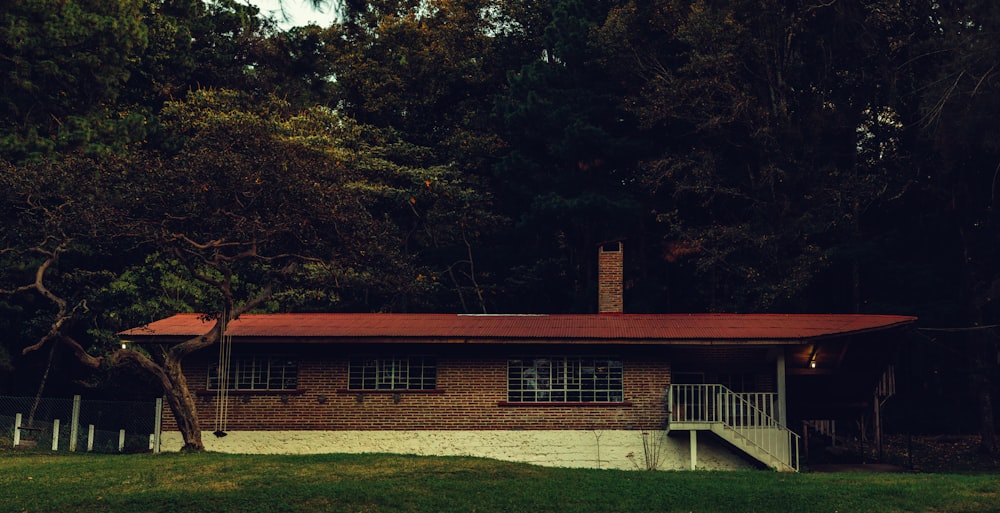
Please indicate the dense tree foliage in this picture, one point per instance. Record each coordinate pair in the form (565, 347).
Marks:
(568, 179)
(770, 127)
(64, 65)
(179, 155)
(958, 156)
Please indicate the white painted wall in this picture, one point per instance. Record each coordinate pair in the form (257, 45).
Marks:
(580, 449)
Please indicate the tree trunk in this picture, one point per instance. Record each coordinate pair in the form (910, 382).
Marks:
(978, 278)
(988, 437)
(982, 353)
(176, 391)
(183, 406)
(41, 387)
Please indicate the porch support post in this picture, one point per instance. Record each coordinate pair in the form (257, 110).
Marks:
(782, 402)
(694, 449)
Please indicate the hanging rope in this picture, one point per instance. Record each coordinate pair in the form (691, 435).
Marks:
(225, 365)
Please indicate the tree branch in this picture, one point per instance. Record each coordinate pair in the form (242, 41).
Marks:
(130, 357)
(64, 314)
(93, 362)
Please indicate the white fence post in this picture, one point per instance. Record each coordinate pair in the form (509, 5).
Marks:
(55, 435)
(90, 438)
(17, 429)
(121, 440)
(157, 424)
(74, 424)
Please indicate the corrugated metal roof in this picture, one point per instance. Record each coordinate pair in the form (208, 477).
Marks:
(617, 328)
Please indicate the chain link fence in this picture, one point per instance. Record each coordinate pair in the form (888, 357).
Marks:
(80, 425)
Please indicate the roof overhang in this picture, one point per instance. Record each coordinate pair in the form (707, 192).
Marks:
(582, 329)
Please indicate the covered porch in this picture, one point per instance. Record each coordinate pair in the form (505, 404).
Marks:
(762, 397)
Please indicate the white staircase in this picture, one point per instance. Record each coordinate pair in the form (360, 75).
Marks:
(747, 421)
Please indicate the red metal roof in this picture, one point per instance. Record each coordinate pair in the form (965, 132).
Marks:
(451, 328)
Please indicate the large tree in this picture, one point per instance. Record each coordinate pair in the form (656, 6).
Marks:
(260, 203)
(59, 245)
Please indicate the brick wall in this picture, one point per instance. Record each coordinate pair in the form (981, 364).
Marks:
(470, 395)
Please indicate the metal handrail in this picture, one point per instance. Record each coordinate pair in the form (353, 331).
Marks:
(751, 416)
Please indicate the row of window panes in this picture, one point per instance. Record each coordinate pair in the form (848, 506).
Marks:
(257, 372)
(539, 379)
(564, 379)
(413, 373)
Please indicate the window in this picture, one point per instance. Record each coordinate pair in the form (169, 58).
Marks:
(405, 373)
(564, 379)
(257, 372)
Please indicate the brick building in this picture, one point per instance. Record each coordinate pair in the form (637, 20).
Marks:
(610, 390)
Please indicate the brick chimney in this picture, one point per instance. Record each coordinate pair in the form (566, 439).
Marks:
(609, 278)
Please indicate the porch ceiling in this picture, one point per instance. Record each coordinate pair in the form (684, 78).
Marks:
(845, 375)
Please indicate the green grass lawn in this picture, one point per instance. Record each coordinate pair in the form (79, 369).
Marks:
(194, 483)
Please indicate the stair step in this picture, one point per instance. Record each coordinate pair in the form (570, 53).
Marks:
(741, 442)
(744, 420)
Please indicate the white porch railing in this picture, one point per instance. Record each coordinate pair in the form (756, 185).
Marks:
(824, 427)
(750, 417)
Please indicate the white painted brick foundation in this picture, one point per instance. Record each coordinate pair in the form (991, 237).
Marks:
(611, 449)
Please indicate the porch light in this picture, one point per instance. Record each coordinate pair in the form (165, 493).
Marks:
(812, 363)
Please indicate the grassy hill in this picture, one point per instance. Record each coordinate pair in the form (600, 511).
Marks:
(194, 483)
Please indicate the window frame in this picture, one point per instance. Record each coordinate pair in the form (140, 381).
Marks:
(257, 372)
(565, 379)
(392, 373)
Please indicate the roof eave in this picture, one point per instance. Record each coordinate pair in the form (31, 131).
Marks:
(850, 333)
(169, 339)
